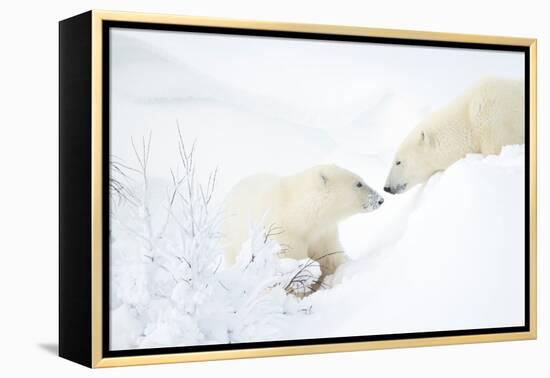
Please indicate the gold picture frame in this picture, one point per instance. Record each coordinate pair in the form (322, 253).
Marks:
(84, 325)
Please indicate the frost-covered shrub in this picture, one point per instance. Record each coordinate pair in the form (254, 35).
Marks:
(168, 285)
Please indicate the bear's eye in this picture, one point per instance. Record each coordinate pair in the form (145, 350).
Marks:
(397, 162)
(359, 184)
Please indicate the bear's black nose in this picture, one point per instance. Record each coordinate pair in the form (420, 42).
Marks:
(387, 189)
(381, 201)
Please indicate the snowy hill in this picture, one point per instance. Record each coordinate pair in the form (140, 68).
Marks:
(422, 262)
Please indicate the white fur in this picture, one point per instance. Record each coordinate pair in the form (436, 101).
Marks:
(301, 211)
(483, 120)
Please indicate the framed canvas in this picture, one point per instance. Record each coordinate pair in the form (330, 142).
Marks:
(235, 189)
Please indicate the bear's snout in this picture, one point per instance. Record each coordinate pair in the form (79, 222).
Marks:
(395, 189)
(373, 202)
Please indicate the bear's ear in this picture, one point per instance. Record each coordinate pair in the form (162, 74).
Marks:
(427, 138)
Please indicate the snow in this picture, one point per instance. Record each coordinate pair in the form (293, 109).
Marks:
(445, 255)
(454, 262)
(169, 287)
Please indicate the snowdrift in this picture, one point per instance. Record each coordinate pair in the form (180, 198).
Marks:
(440, 257)
(420, 264)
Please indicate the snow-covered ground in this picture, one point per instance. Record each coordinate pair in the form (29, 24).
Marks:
(445, 255)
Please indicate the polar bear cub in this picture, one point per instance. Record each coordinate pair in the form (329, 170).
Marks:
(483, 120)
(305, 208)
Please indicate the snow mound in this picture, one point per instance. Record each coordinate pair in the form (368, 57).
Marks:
(430, 272)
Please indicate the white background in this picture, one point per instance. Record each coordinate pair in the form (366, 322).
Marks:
(28, 149)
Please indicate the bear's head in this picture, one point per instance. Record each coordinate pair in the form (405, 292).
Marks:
(345, 193)
(415, 161)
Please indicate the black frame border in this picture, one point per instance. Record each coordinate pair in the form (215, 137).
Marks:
(75, 194)
(106, 25)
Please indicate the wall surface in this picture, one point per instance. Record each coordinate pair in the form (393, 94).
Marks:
(29, 153)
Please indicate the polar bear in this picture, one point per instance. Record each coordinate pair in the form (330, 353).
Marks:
(305, 208)
(488, 116)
